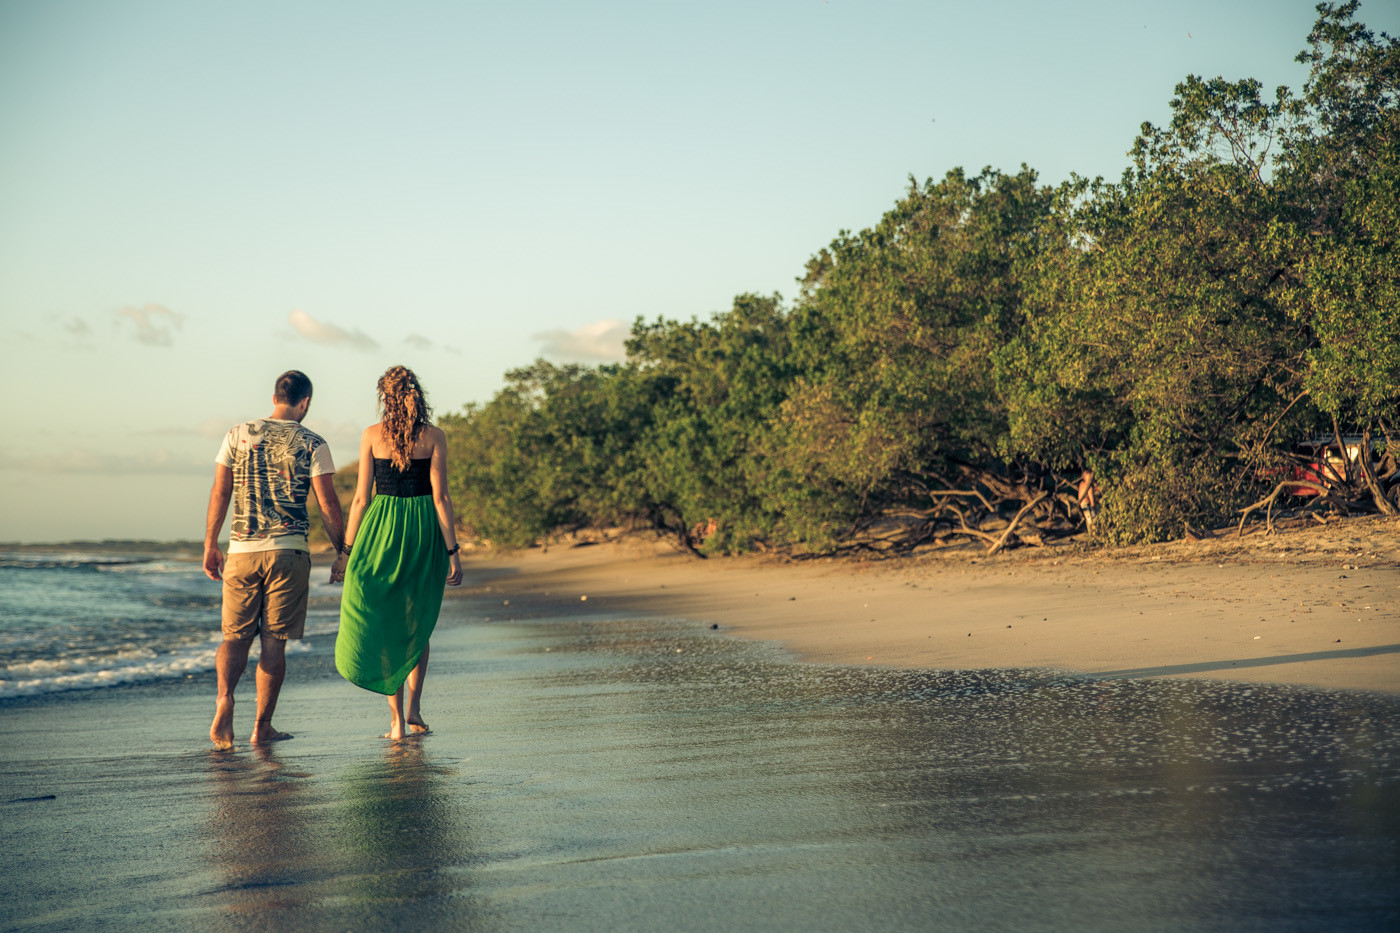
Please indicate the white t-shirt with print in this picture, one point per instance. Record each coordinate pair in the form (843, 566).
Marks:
(272, 462)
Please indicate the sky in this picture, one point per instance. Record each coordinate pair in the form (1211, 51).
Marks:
(195, 197)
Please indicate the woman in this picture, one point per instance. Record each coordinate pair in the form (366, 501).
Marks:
(401, 542)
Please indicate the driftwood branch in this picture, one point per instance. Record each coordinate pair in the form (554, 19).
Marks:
(970, 502)
(973, 532)
(1268, 503)
(1011, 528)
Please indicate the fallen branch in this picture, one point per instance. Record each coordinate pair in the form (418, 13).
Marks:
(971, 532)
(974, 492)
(1014, 522)
(1268, 503)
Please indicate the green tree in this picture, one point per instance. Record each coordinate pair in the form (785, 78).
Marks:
(711, 454)
(1231, 289)
(901, 324)
(1344, 170)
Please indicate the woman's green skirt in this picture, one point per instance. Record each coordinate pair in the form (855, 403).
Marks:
(393, 591)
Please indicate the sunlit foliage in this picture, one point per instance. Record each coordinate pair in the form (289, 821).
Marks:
(961, 361)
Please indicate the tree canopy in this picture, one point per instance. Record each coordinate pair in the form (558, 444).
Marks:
(952, 370)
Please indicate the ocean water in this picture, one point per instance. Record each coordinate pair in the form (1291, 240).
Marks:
(87, 618)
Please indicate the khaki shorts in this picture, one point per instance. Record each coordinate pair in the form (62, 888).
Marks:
(265, 591)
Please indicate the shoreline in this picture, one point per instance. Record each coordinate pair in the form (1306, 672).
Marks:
(1309, 605)
(1314, 606)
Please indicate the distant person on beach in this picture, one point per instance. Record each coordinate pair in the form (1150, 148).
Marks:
(1088, 493)
(266, 467)
(402, 546)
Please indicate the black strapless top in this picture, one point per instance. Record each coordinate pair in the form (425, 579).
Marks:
(391, 481)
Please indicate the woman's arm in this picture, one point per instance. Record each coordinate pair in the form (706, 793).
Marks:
(442, 501)
(364, 484)
(324, 486)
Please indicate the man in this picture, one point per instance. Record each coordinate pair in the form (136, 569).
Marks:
(266, 467)
(1088, 494)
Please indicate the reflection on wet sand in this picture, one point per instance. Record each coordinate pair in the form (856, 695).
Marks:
(259, 844)
(292, 849)
(399, 822)
(595, 774)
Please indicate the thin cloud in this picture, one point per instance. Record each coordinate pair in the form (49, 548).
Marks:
(80, 333)
(601, 341)
(154, 324)
(158, 462)
(418, 342)
(330, 334)
(209, 429)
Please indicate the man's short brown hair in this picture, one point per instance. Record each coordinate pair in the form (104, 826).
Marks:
(292, 386)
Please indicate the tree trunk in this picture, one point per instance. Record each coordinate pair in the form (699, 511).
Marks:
(1369, 476)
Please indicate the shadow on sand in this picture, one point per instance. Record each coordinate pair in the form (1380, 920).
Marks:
(1202, 667)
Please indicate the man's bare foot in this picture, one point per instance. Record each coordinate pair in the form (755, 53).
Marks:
(418, 727)
(263, 732)
(221, 732)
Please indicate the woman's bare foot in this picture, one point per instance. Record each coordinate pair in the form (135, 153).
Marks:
(397, 731)
(263, 732)
(221, 732)
(418, 727)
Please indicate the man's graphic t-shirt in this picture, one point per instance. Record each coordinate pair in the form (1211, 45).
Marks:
(272, 463)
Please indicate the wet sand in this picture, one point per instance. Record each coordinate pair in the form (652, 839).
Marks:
(590, 771)
(1313, 606)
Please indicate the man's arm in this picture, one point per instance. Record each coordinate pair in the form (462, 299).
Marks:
(331, 519)
(219, 497)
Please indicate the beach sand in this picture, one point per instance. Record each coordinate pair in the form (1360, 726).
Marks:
(1317, 605)
(594, 766)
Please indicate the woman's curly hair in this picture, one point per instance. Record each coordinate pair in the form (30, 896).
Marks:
(405, 408)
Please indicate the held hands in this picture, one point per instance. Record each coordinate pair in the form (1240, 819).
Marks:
(454, 569)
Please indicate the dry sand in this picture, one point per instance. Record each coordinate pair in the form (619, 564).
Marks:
(1314, 605)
